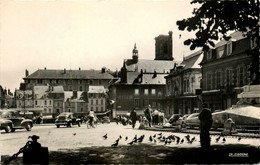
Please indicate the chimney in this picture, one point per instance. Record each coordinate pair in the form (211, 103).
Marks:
(26, 73)
(103, 70)
(45, 68)
(64, 71)
(79, 68)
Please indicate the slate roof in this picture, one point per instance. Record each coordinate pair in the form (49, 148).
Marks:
(161, 66)
(193, 60)
(69, 74)
(234, 37)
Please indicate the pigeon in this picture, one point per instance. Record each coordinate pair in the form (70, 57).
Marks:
(126, 138)
(131, 143)
(150, 139)
(120, 137)
(154, 135)
(224, 139)
(74, 134)
(178, 140)
(160, 134)
(182, 140)
(193, 139)
(105, 136)
(115, 144)
(217, 139)
(239, 139)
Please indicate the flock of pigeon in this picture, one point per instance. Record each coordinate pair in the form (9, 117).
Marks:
(162, 139)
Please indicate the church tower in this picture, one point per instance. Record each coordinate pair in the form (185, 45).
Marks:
(135, 54)
(163, 47)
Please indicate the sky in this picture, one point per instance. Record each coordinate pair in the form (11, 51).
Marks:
(89, 34)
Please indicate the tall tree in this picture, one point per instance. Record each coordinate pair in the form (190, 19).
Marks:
(214, 19)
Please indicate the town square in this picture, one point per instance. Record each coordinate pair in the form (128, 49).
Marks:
(129, 82)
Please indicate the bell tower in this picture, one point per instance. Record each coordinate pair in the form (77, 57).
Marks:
(135, 54)
(163, 47)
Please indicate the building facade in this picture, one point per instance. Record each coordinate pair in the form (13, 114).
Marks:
(71, 80)
(225, 70)
(142, 81)
(181, 85)
(97, 99)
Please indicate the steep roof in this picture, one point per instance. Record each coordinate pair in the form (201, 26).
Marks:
(69, 74)
(234, 37)
(193, 60)
(161, 66)
(40, 91)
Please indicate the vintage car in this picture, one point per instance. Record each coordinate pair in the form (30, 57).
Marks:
(192, 120)
(67, 119)
(105, 119)
(12, 120)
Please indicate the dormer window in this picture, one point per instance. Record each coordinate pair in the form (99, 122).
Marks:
(209, 54)
(220, 52)
(229, 48)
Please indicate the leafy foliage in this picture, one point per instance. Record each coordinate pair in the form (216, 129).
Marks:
(213, 19)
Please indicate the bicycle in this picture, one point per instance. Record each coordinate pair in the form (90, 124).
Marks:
(93, 124)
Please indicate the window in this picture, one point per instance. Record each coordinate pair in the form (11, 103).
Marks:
(209, 81)
(102, 109)
(36, 102)
(96, 102)
(146, 102)
(81, 109)
(102, 102)
(153, 92)
(91, 102)
(146, 91)
(209, 54)
(136, 102)
(229, 48)
(50, 102)
(58, 104)
(229, 77)
(253, 43)
(57, 81)
(97, 109)
(240, 74)
(136, 91)
(80, 88)
(100, 82)
(218, 79)
(159, 92)
(45, 102)
(220, 52)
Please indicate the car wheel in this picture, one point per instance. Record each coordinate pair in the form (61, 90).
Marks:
(28, 127)
(79, 124)
(58, 126)
(8, 129)
(13, 130)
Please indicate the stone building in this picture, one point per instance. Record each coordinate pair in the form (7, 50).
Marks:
(56, 94)
(97, 99)
(225, 69)
(74, 102)
(181, 85)
(42, 100)
(71, 80)
(142, 81)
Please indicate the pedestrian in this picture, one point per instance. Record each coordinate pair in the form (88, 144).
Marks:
(155, 115)
(205, 118)
(148, 114)
(133, 117)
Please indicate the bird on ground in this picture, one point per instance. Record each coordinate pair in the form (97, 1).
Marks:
(115, 144)
(131, 143)
(120, 137)
(150, 139)
(217, 139)
(117, 140)
(126, 138)
(224, 139)
(105, 136)
(239, 138)
(178, 140)
(187, 138)
(182, 140)
(74, 134)
(154, 135)
(154, 141)
(193, 139)
(160, 134)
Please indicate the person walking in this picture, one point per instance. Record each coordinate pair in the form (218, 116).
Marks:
(148, 114)
(133, 117)
(205, 118)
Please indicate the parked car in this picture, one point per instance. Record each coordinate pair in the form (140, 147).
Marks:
(192, 120)
(12, 120)
(67, 119)
(175, 117)
(105, 119)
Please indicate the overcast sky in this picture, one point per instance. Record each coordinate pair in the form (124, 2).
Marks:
(88, 34)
